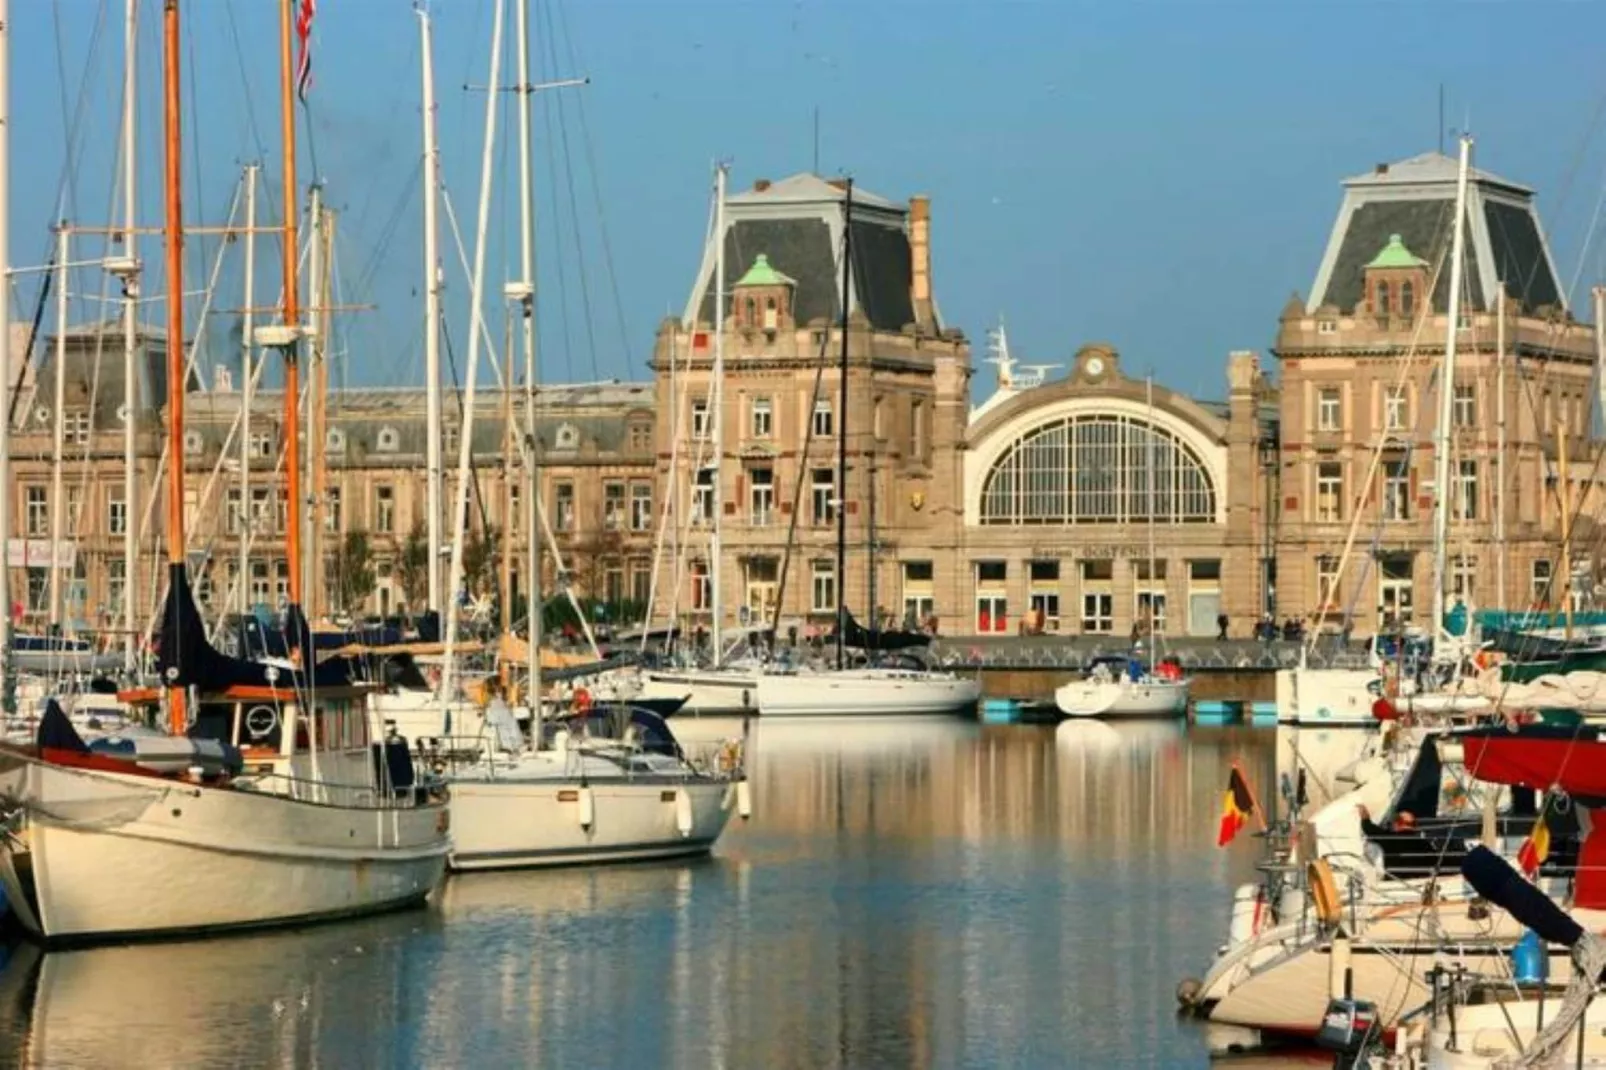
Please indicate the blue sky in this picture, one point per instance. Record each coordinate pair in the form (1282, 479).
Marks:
(1157, 175)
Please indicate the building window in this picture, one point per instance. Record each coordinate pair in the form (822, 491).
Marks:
(384, 509)
(1327, 582)
(1042, 595)
(38, 590)
(1395, 409)
(1466, 490)
(1149, 596)
(823, 496)
(194, 443)
(613, 581)
(702, 501)
(261, 445)
(699, 418)
(640, 583)
(1326, 327)
(335, 440)
(77, 426)
(563, 506)
(1395, 593)
(613, 506)
(1539, 582)
(116, 583)
(824, 425)
(919, 594)
(568, 437)
(1329, 491)
(640, 507)
(640, 436)
(1329, 409)
(515, 507)
(824, 586)
(1382, 298)
(281, 583)
(762, 500)
(992, 603)
(763, 418)
(1407, 298)
(388, 441)
(261, 510)
(917, 429)
(1463, 578)
(116, 512)
(1396, 490)
(38, 512)
(1465, 408)
(331, 509)
(75, 509)
(1098, 598)
(702, 586)
(762, 586)
(233, 511)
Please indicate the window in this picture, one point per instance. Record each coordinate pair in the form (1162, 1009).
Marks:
(515, 507)
(75, 509)
(640, 582)
(824, 425)
(1395, 595)
(1329, 409)
(334, 440)
(699, 418)
(1407, 298)
(281, 509)
(194, 443)
(1463, 578)
(917, 429)
(384, 509)
(116, 512)
(77, 426)
(823, 497)
(876, 429)
(563, 506)
(1042, 596)
(919, 594)
(261, 510)
(613, 506)
(1382, 299)
(116, 582)
(1395, 410)
(388, 441)
(640, 507)
(702, 586)
(261, 589)
(1539, 582)
(233, 511)
(262, 444)
(38, 590)
(762, 586)
(762, 501)
(331, 509)
(38, 512)
(1098, 611)
(750, 308)
(1396, 490)
(702, 502)
(640, 436)
(1466, 491)
(824, 586)
(1329, 491)
(613, 582)
(992, 603)
(1327, 582)
(281, 583)
(1150, 609)
(568, 437)
(1326, 327)
(1465, 407)
(763, 418)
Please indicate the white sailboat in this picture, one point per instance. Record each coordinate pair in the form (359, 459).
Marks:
(281, 814)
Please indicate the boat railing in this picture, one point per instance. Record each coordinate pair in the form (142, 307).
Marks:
(327, 793)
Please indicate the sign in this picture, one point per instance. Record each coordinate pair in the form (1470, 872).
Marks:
(1094, 553)
(41, 553)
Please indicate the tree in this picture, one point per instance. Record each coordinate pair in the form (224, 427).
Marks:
(354, 571)
(479, 561)
(413, 568)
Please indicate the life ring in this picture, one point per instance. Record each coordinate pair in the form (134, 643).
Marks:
(1324, 892)
(582, 699)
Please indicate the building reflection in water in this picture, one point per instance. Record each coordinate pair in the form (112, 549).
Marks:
(907, 894)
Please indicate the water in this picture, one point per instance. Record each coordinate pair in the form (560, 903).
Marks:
(929, 893)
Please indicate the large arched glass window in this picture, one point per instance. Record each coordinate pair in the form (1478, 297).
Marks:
(1098, 470)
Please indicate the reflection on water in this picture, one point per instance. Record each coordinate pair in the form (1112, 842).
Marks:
(927, 893)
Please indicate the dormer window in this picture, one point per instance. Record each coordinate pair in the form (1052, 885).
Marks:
(388, 441)
(193, 443)
(764, 291)
(568, 437)
(335, 441)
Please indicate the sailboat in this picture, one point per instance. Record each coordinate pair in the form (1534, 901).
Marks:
(264, 802)
(841, 691)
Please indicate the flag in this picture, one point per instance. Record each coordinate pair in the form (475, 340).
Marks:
(304, 37)
(1536, 848)
(1236, 806)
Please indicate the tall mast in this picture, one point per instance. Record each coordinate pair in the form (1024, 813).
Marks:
(1500, 448)
(1148, 393)
(130, 336)
(292, 309)
(58, 422)
(527, 301)
(312, 559)
(842, 435)
(432, 320)
(1441, 437)
(5, 356)
(247, 386)
(173, 224)
(716, 408)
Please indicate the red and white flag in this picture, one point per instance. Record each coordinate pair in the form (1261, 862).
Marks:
(304, 36)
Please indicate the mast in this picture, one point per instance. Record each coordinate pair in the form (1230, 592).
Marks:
(292, 312)
(1441, 435)
(716, 407)
(532, 487)
(842, 435)
(1148, 395)
(1564, 465)
(432, 319)
(1500, 446)
(130, 336)
(505, 550)
(173, 223)
(318, 266)
(247, 387)
(58, 424)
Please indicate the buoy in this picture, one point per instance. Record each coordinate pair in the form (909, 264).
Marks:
(744, 799)
(683, 812)
(1384, 710)
(588, 807)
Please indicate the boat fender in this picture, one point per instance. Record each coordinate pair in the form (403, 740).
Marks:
(582, 699)
(1324, 892)
(744, 799)
(588, 807)
(683, 815)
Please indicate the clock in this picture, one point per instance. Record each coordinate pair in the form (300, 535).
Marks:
(1094, 367)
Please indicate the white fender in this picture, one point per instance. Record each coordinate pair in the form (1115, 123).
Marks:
(744, 799)
(588, 808)
(683, 816)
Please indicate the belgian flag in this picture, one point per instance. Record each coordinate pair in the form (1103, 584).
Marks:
(1236, 806)
(1536, 848)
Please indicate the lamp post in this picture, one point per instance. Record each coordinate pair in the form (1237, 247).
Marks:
(1267, 450)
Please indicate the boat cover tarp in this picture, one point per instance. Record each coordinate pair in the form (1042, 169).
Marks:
(1572, 758)
(859, 637)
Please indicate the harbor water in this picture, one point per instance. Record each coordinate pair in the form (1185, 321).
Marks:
(912, 893)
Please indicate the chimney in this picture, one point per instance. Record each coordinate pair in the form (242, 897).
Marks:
(837, 183)
(920, 257)
(1381, 169)
(760, 185)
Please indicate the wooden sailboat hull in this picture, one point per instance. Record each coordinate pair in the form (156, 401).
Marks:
(95, 856)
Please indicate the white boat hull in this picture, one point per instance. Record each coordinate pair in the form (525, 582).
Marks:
(102, 855)
(862, 692)
(708, 693)
(1123, 698)
(1325, 697)
(507, 822)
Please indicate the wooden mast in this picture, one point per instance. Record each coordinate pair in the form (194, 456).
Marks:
(292, 310)
(173, 222)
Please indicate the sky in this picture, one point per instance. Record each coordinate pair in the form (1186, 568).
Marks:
(1156, 175)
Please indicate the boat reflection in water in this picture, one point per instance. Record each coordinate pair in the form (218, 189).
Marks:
(930, 893)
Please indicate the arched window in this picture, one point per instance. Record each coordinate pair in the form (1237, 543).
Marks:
(1382, 299)
(1098, 470)
(1407, 298)
(771, 317)
(751, 317)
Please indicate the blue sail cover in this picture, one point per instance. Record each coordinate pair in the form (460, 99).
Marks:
(261, 637)
(185, 657)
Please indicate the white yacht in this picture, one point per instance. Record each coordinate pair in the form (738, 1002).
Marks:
(1119, 687)
(882, 692)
